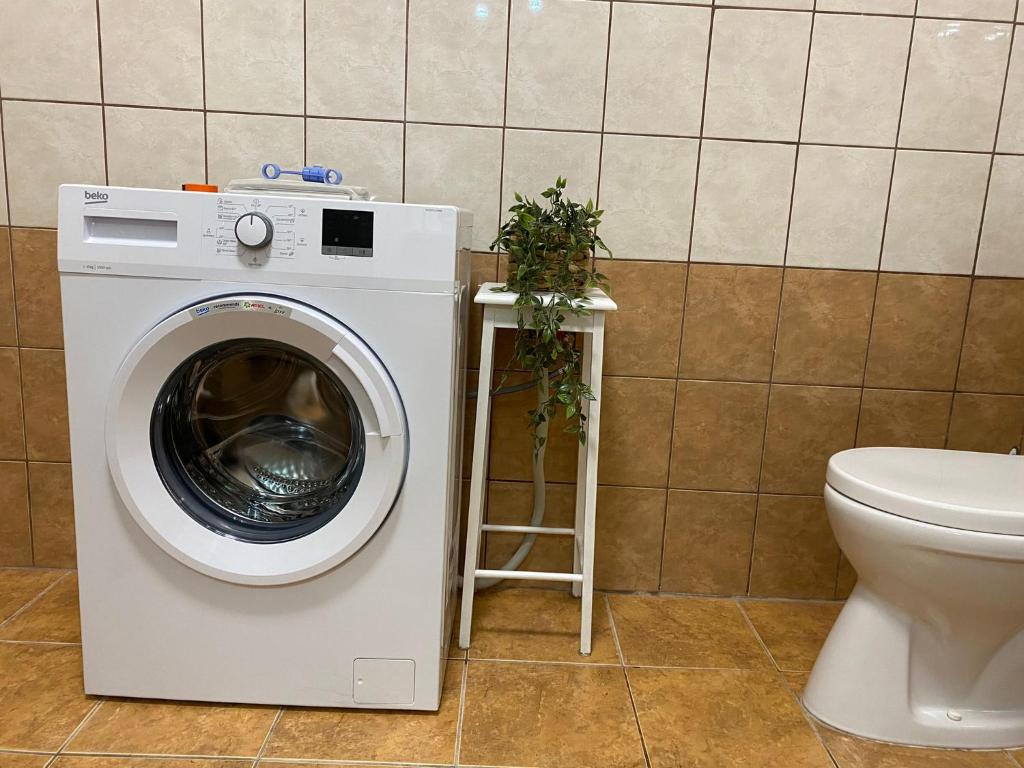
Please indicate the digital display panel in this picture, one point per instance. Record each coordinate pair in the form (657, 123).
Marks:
(347, 233)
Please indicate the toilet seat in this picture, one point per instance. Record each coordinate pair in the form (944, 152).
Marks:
(981, 492)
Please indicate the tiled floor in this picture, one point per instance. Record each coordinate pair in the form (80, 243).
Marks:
(673, 681)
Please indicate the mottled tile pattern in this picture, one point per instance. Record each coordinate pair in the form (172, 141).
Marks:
(19, 585)
(795, 553)
(52, 618)
(697, 632)
(792, 631)
(549, 716)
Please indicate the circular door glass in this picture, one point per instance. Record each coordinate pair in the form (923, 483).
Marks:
(257, 440)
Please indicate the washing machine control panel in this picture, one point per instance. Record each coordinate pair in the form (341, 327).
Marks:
(255, 230)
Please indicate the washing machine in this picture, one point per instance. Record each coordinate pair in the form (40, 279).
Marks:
(265, 398)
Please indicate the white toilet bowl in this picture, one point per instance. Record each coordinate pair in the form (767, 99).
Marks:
(929, 649)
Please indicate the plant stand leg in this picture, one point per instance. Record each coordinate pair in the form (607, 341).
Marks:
(593, 425)
(478, 483)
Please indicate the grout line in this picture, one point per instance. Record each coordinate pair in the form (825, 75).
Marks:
(202, 72)
(35, 599)
(266, 739)
(462, 709)
(78, 729)
(780, 675)
(103, 106)
(799, 136)
(405, 104)
(625, 675)
(604, 111)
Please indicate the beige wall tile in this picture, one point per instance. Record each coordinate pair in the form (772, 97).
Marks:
(630, 523)
(954, 85)
(642, 336)
(37, 285)
(457, 61)
(49, 50)
(839, 207)
(48, 145)
(806, 425)
(1011, 124)
(1002, 236)
(12, 419)
(756, 75)
(238, 145)
(355, 58)
(743, 195)
(152, 52)
(555, 47)
(794, 5)
(4, 219)
(253, 57)
(46, 404)
(916, 331)
(896, 7)
(136, 136)
(904, 418)
(717, 436)
(534, 159)
(824, 325)
(531, 702)
(707, 542)
(729, 322)
(934, 212)
(8, 318)
(53, 515)
(992, 359)
(452, 165)
(649, 220)
(15, 530)
(998, 10)
(855, 79)
(636, 427)
(368, 154)
(989, 423)
(664, 48)
(795, 554)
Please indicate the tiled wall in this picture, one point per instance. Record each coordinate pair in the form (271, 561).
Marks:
(815, 205)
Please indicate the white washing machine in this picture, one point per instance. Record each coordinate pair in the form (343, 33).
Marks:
(265, 403)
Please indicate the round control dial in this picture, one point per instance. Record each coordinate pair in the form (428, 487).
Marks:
(254, 230)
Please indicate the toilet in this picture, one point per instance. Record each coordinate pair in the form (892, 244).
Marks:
(929, 648)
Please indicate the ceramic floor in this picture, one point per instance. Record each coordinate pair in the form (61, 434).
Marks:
(673, 681)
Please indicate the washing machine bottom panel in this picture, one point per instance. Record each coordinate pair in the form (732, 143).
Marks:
(367, 634)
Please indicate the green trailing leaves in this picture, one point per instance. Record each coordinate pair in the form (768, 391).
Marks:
(551, 246)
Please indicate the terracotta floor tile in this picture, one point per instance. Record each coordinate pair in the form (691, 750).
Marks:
(537, 625)
(336, 734)
(15, 760)
(18, 586)
(793, 631)
(797, 681)
(41, 695)
(52, 618)
(685, 632)
(712, 718)
(548, 716)
(1018, 757)
(852, 752)
(175, 728)
(75, 761)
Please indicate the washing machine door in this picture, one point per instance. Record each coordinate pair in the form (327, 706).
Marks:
(255, 439)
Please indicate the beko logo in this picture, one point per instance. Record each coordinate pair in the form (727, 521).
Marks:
(92, 198)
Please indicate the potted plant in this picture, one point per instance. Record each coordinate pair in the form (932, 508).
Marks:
(551, 247)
